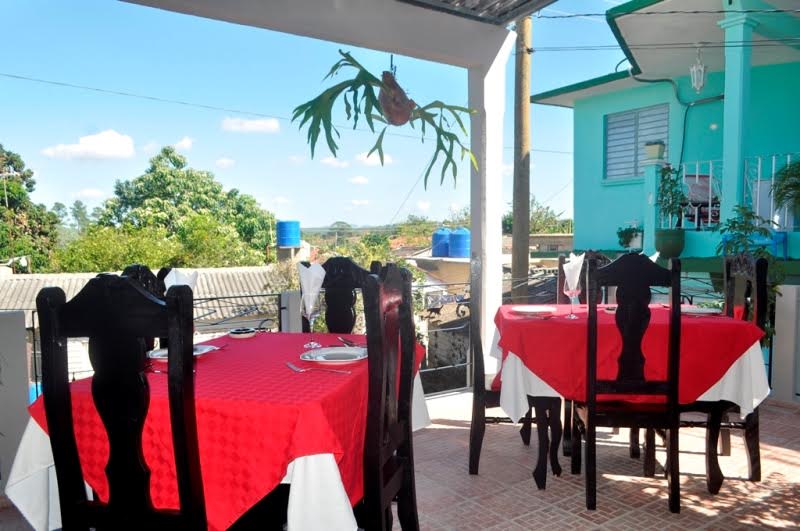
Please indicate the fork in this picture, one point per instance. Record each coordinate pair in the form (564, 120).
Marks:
(295, 368)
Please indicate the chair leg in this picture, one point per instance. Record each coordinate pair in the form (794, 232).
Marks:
(567, 444)
(540, 472)
(407, 496)
(575, 454)
(673, 478)
(649, 452)
(556, 432)
(525, 430)
(591, 467)
(725, 438)
(476, 431)
(633, 443)
(713, 473)
(752, 445)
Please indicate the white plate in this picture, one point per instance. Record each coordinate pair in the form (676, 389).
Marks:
(242, 333)
(161, 353)
(610, 309)
(533, 309)
(334, 355)
(697, 310)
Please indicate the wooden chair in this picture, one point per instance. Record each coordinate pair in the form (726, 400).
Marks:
(342, 278)
(117, 315)
(746, 298)
(388, 448)
(633, 275)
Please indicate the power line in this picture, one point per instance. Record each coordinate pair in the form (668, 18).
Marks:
(677, 12)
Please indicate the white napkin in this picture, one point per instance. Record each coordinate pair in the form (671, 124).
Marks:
(176, 277)
(572, 270)
(310, 284)
(654, 257)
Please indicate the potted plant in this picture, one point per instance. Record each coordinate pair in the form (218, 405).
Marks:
(669, 240)
(630, 237)
(786, 188)
(654, 149)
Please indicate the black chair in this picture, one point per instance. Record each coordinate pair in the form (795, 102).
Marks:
(746, 298)
(388, 448)
(634, 275)
(342, 278)
(118, 315)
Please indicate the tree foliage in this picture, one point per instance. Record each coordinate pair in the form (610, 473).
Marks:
(26, 229)
(544, 220)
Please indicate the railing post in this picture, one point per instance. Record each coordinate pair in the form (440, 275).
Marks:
(650, 223)
(290, 320)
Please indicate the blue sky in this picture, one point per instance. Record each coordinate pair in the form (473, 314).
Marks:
(79, 142)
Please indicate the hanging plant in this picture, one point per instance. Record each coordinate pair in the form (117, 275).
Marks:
(391, 107)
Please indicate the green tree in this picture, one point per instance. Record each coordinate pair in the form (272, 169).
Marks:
(208, 243)
(80, 215)
(169, 192)
(26, 229)
(544, 220)
(60, 210)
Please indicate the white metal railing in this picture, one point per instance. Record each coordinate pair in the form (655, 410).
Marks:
(759, 176)
(702, 181)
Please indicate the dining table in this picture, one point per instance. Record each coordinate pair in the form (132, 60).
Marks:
(542, 353)
(259, 422)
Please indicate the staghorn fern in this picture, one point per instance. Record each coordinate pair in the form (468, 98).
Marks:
(361, 100)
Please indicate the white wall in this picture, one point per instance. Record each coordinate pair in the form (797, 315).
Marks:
(785, 366)
(13, 388)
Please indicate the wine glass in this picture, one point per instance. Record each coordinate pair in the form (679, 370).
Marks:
(572, 294)
(311, 312)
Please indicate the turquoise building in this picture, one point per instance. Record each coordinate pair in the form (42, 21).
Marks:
(718, 82)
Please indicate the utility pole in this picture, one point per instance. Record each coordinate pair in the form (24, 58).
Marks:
(522, 165)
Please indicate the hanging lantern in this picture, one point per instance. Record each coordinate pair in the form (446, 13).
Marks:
(697, 72)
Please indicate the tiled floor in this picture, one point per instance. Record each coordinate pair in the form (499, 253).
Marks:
(504, 497)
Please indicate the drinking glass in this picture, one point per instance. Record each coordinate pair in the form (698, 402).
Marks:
(311, 314)
(572, 294)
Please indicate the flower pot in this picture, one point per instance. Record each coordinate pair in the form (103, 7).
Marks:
(669, 242)
(654, 151)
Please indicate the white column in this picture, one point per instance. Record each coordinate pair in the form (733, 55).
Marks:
(785, 345)
(487, 97)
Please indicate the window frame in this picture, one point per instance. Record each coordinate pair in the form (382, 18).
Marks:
(638, 141)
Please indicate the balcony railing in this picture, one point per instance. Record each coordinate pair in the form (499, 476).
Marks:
(702, 182)
(760, 173)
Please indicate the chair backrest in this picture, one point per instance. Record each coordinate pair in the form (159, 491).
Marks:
(634, 275)
(118, 315)
(745, 285)
(391, 344)
(563, 299)
(342, 278)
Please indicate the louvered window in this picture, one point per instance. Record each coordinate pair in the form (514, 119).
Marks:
(626, 134)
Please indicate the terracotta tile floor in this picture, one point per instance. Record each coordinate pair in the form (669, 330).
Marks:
(504, 497)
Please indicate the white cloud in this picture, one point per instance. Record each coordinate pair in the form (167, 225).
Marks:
(150, 148)
(359, 202)
(184, 143)
(241, 125)
(334, 162)
(89, 193)
(358, 179)
(106, 144)
(280, 200)
(224, 162)
(424, 206)
(296, 159)
(374, 159)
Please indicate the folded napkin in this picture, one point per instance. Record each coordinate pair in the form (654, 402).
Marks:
(654, 257)
(176, 277)
(311, 278)
(572, 270)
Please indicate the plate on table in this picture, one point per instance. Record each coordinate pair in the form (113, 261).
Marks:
(198, 350)
(612, 308)
(334, 355)
(533, 309)
(242, 333)
(698, 310)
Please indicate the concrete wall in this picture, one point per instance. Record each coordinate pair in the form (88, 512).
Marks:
(785, 365)
(13, 388)
(602, 206)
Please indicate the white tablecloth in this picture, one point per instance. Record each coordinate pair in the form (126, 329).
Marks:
(317, 499)
(745, 384)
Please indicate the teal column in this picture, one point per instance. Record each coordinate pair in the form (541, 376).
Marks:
(652, 172)
(738, 30)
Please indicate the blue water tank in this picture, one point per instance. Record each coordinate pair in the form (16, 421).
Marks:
(288, 234)
(459, 243)
(440, 242)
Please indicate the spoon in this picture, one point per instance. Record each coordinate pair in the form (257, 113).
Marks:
(295, 368)
(349, 342)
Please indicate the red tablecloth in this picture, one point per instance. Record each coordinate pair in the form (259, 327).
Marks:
(555, 349)
(254, 417)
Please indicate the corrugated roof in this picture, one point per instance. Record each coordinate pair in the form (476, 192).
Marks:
(18, 292)
(499, 12)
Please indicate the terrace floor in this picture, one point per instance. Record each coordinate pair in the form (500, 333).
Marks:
(504, 497)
